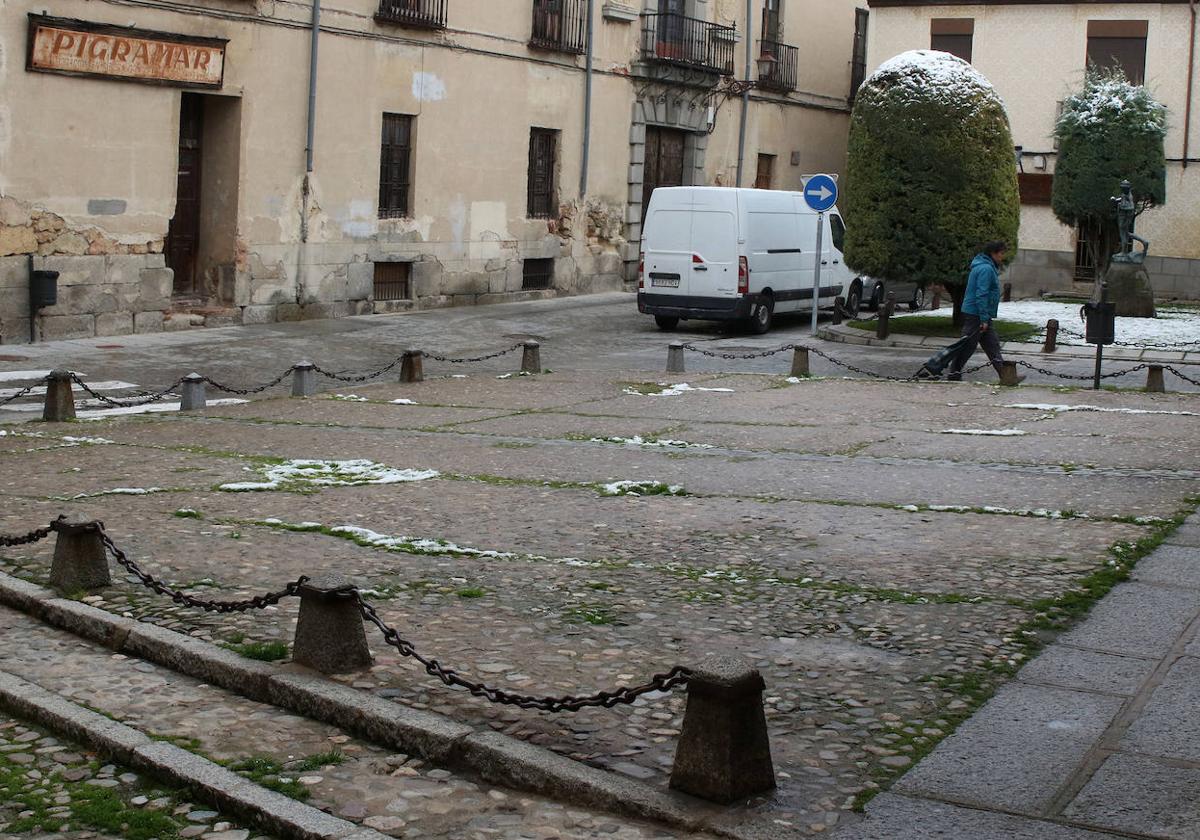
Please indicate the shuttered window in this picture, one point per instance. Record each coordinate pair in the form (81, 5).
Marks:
(952, 35)
(1118, 43)
(395, 166)
(543, 150)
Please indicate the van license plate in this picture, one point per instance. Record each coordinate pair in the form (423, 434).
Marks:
(673, 282)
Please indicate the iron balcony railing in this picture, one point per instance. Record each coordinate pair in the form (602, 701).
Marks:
(671, 38)
(427, 14)
(777, 65)
(560, 25)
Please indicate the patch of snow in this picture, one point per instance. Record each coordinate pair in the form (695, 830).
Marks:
(640, 488)
(669, 390)
(1061, 409)
(924, 75)
(793, 380)
(87, 440)
(319, 473)
(121, 491)
(638, 440)
(988, 432)
(350, 398)
(403, 402)
(505, 376)
(152, 408)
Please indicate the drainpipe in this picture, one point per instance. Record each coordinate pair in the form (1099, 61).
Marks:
(587, 108)
(312, 117)
(746, 92)
(1187, 107)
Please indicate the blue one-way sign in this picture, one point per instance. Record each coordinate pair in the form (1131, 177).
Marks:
(820, 193)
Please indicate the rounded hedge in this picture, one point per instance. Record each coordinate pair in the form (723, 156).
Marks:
(931, 174)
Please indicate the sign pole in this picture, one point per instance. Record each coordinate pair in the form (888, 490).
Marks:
(816, 289)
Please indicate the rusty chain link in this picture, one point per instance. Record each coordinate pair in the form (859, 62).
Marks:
(1181, 375)
(343, 376)
(1083, 377)
(229, 389)
(9, 540)
(126, 402)
(26, 390)
(677, 676)
(760, 355)
(469, 359)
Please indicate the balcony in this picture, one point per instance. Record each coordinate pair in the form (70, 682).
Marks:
(424, 14)
(777, 65)
(559, 25)
(670, 38)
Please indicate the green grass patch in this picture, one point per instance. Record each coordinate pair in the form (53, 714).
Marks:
(470, 592)
(596, 614)
(270, 774)
(942, 326)
(317, 761)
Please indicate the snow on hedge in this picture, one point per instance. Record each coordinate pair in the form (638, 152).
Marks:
(924, 71)
(1106, 100)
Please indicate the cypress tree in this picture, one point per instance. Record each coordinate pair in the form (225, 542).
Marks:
(931, 175)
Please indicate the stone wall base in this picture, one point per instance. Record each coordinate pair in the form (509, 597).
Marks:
(1034, 273)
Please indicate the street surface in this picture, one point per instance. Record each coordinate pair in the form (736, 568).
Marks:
(886, 554)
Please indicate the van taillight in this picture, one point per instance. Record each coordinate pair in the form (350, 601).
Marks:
(641, 272)
(743, 276)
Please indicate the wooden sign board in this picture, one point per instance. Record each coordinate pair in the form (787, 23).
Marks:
(81, 48)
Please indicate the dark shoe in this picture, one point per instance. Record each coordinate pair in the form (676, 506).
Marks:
(954, 377)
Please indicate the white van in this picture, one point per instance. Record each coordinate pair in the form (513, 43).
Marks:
(722, 254)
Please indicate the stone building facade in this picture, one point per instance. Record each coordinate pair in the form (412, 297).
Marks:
(172, 162)
(1035, 54)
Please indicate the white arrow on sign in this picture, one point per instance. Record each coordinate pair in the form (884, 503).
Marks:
(823, 192)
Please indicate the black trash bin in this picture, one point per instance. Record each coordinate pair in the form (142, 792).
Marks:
(43, 289)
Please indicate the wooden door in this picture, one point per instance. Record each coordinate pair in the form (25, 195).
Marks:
(664, 161)
(183, 233)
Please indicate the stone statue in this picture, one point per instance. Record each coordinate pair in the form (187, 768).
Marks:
(1126, 215)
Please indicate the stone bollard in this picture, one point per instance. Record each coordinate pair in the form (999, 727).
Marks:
(839, 309)
(799, 360)
(411, 367)
(193, 397)
(675, 357)
(329, 632)
(1154, 380)
(885, 313)
(1006, 295)
(60, 400)
(80, 560)
(724, 754)
(531, 357)
(304, 379)
(1051, 343)
(1008, 374)
(937, 298)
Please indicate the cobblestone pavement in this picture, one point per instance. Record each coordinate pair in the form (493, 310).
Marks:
(52, 787)
(879, 551)
(396, 794)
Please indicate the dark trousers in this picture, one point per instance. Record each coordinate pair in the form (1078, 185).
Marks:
(991, 343)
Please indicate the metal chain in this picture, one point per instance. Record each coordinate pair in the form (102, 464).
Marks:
(677, 676)
(229, 389)
(1179, 345)
(258, 602)
(872, 374)
(471, 359)
(342, 376)
(761, 355)
(128, 401)
(7, 540)
(1084, 377)
(27, 389)
(1181, 375)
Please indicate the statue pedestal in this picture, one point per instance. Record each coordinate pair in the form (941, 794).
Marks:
(1129, 288)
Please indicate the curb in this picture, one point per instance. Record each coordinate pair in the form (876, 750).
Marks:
(497, 758)
(208, 781)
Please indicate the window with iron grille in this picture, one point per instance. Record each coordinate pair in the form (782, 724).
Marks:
(858, 56)
(952, 35)
(543, 147)
(766, 167)
(392, 281)
(425, 14)
(395, 164)
(537, 274)
(559, 25)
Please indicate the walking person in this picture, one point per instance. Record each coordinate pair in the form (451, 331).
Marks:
(979, 308)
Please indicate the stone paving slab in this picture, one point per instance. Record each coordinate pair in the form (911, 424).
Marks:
(1088, 670)
(1143, 796)
(1168, 725)
(1187, 535)
(1137, 619)
(1171, 564)
(1034, 736)
(892, 817)
(324, 410)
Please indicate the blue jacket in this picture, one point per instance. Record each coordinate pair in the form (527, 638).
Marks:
(983, 289)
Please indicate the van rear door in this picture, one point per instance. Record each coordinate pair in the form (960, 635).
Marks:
(714, 248)
(667, 243)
